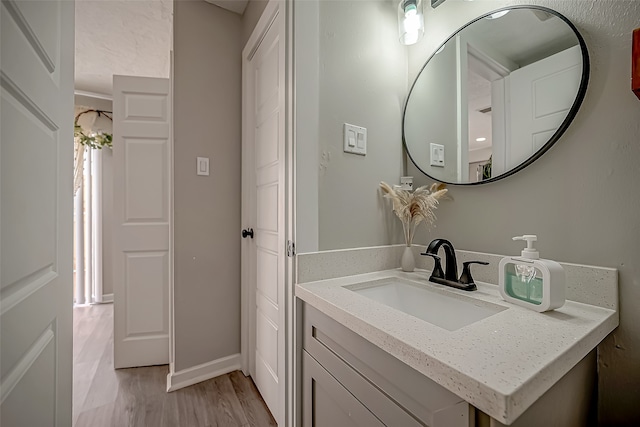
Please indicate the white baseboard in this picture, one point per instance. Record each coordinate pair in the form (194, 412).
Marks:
(206, 371)
(107, 298)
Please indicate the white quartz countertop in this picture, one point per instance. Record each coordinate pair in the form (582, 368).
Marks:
(501, 364)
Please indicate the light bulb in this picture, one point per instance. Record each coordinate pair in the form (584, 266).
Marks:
(410, 21)
(411, 37)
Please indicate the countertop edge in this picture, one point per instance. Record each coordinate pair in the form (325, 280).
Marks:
(556, 370)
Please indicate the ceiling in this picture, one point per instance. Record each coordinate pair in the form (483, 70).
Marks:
(522, 36)
(130, 37)
(237, 6)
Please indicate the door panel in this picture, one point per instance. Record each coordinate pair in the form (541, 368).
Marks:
(142, 213)
(146, 274)
(152, 154)
(267, 275)
(545, 91)
(33, 230)
(36, 168)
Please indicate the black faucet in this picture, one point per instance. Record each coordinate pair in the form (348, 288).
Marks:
(450, 276)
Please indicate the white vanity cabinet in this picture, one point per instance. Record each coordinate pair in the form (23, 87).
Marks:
(347, 381)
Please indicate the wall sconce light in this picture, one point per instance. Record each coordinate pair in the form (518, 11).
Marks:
(410, 21)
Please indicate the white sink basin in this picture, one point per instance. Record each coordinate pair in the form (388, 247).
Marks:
(448, 311)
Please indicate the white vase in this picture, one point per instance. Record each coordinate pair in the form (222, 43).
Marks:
(408, 262)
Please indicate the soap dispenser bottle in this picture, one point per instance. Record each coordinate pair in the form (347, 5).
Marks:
(538, 284)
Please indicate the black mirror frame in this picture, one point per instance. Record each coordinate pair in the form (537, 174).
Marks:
(561, 129)
(436, 3)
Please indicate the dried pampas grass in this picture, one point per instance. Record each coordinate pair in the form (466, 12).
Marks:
(412, 208)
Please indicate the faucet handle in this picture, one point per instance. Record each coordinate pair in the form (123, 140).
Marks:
(465, 277)
(437, 267)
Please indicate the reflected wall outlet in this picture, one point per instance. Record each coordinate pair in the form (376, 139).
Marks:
(436, 155)
(355, 139)
(202, 166)
(406, 183)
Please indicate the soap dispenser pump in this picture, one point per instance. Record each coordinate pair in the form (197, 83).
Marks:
(538, 284)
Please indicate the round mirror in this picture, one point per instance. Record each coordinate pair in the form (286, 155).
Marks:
(496, 95)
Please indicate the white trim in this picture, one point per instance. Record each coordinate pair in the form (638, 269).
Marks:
(290, 416)
(96, 223)
(485, 65)
(93, 95)
(172, 325)
(78, 235)
(88, 227)
(107, 298)
(203, 372)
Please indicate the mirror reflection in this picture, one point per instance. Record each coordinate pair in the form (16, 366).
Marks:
(495, 95)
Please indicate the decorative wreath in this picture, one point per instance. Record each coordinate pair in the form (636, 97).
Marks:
(97, 140)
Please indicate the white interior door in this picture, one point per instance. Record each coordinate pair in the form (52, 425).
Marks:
(541, 95)
(142, 158)
(36, 178)
(264, 202)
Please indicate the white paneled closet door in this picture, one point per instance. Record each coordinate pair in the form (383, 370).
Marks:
(142, 164)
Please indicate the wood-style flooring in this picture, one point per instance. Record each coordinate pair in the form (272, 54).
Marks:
(137, 397)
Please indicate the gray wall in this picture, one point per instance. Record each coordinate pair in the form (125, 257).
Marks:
(428, 122)
(362, 81)
(307, 81)
(207, 123)
(250, 18)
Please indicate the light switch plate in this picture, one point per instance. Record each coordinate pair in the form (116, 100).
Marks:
(355, 139)
(436, 152)
(202, 166)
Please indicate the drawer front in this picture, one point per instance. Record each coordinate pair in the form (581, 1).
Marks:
(403, 396)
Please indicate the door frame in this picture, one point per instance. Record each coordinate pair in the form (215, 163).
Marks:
(247, 302)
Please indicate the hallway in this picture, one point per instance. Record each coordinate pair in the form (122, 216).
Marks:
(137, 397)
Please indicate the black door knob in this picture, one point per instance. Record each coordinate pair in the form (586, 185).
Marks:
(246, 233)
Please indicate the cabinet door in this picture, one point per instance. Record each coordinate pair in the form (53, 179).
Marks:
(326, 403)
(397, 395)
